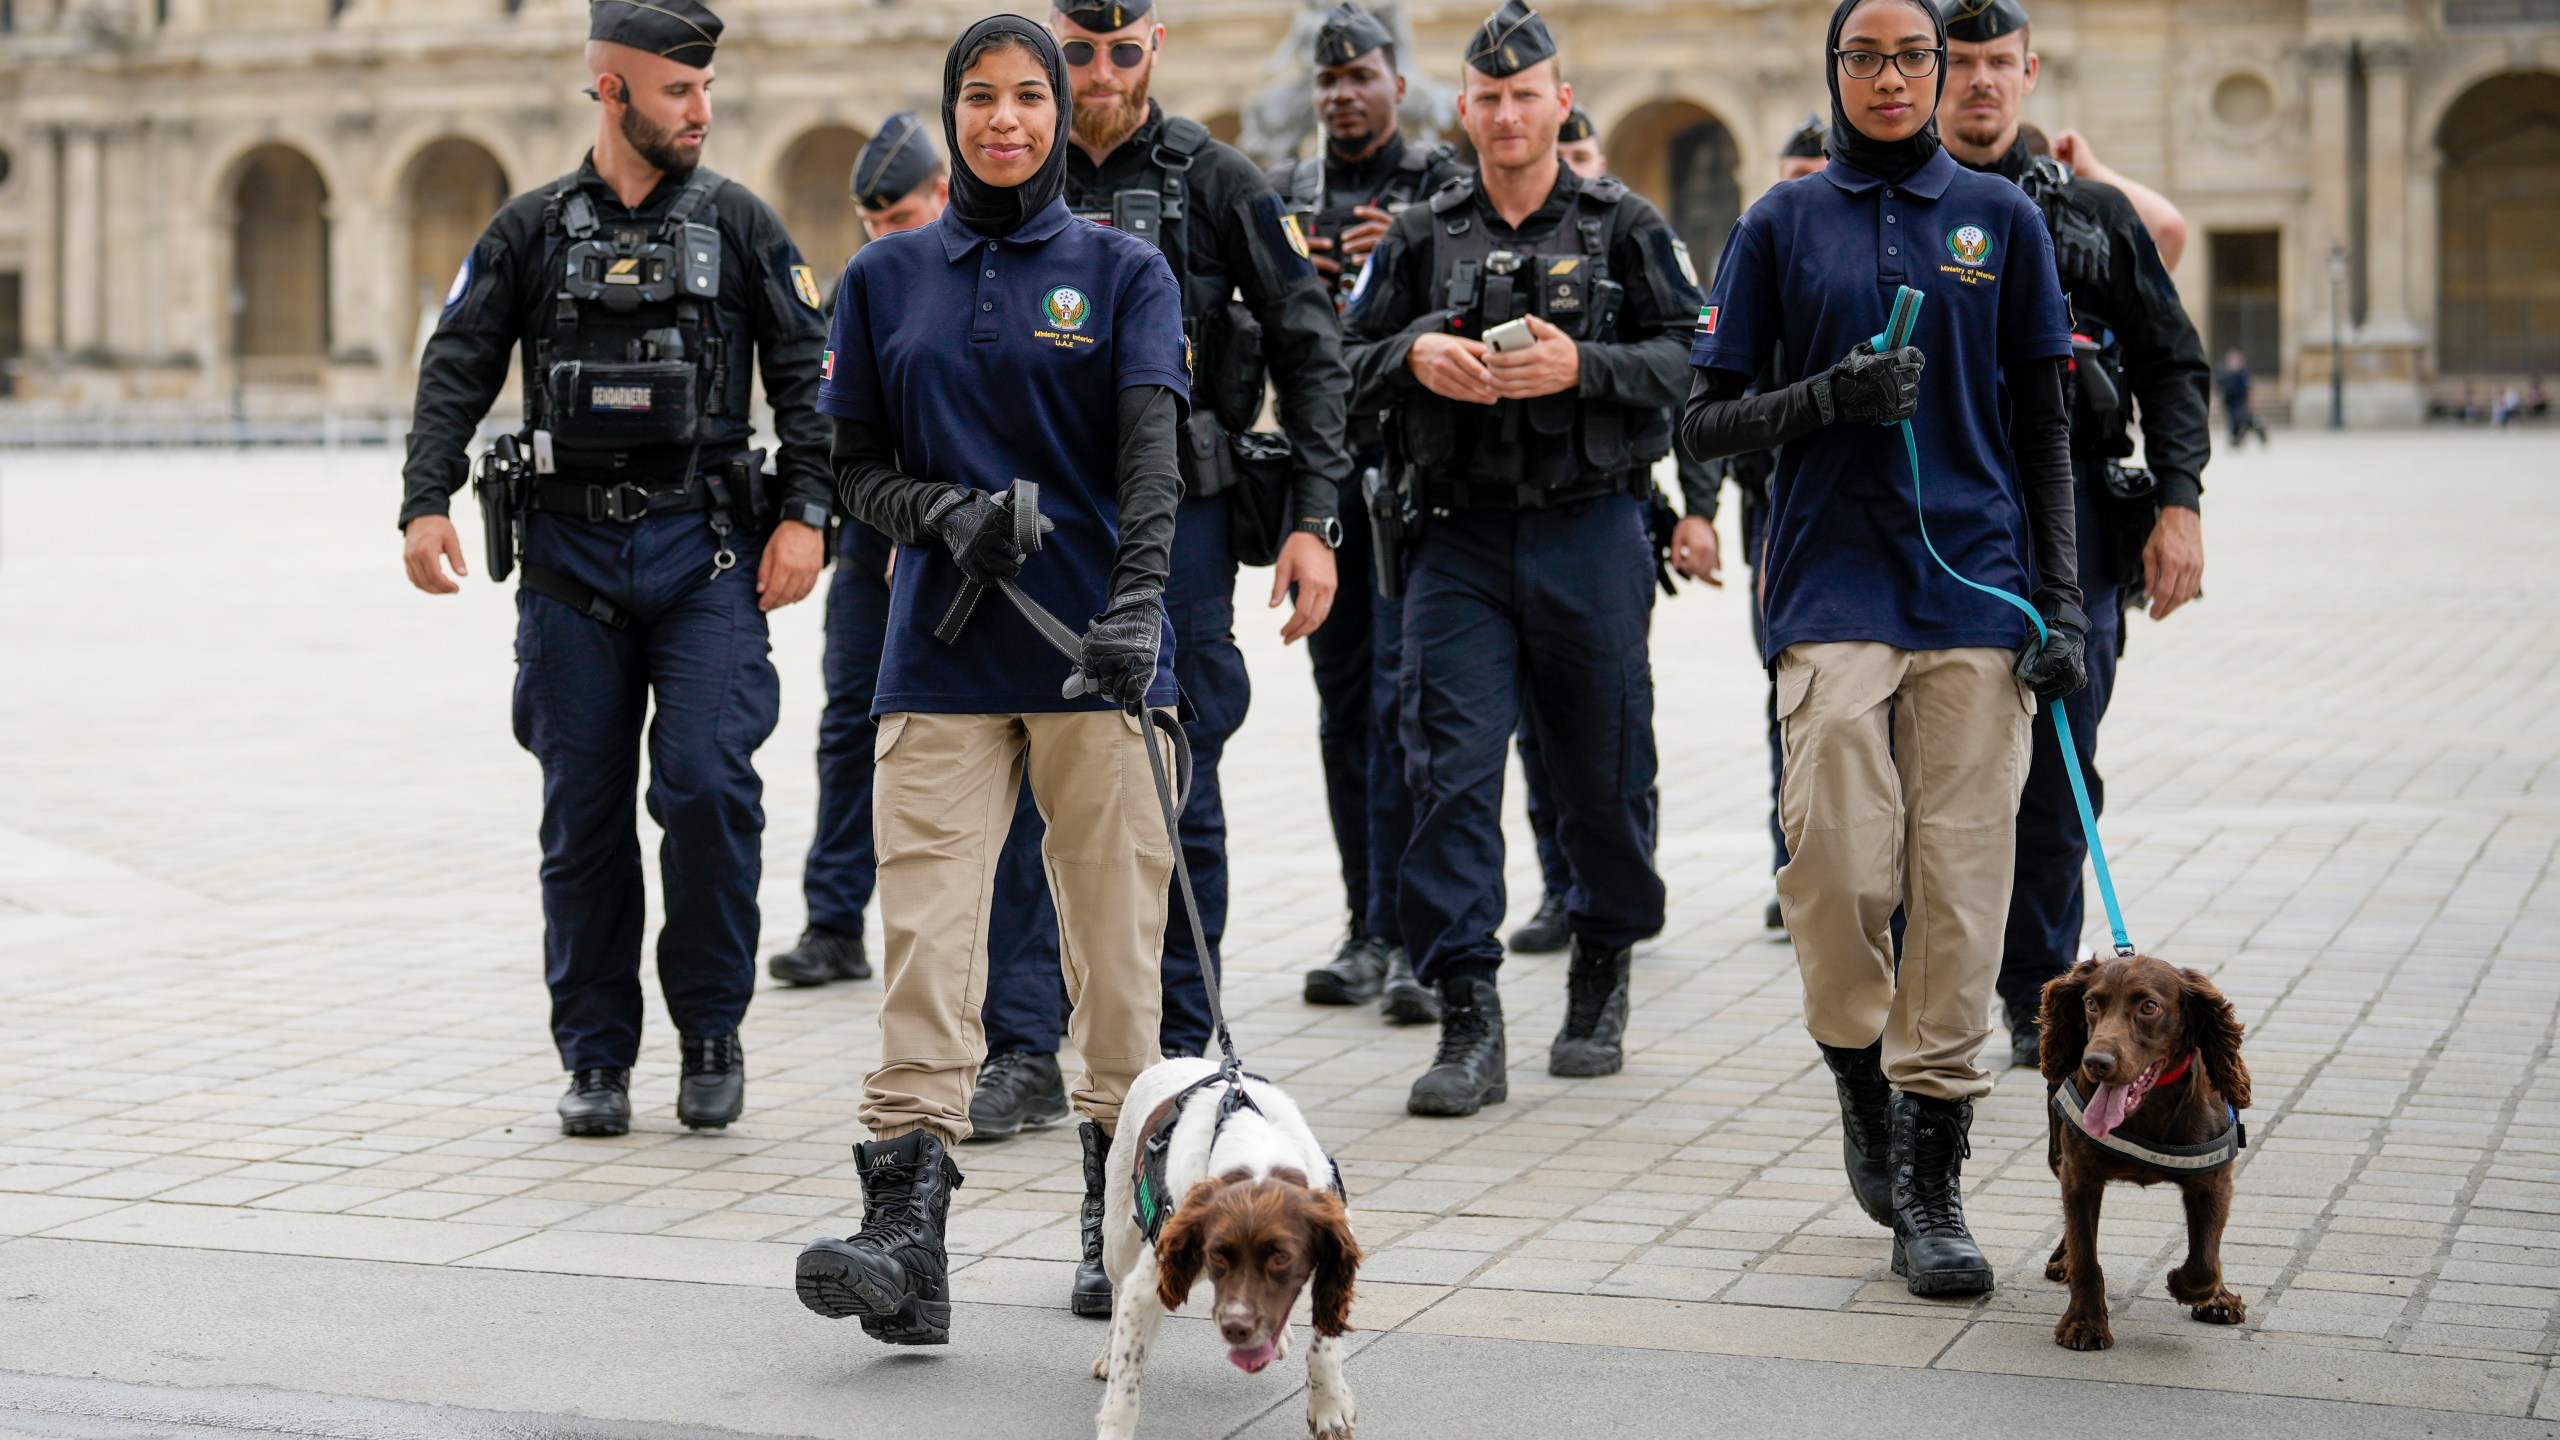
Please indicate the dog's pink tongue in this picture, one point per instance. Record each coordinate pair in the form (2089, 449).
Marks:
(2106, 1109)
(1251, 1361)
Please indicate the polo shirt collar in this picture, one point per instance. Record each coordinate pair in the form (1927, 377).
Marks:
(1928, 182)
(959, 239)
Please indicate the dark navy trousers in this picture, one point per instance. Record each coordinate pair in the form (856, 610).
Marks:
(1390, 795)
(1343, 654)
(2046, 902)
(1547, 610)
(696, 647)
(1026, 992)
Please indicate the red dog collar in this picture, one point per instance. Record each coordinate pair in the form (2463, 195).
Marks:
(2172, 1076)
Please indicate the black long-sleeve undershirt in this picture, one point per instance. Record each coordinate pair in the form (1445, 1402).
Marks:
(1720, 420)
(875, 491)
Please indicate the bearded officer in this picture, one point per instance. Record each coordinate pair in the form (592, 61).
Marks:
(1224, 232)
(1533, 580)
(1368, 175)
(2142, 536)
(653, 545)
(899, 184)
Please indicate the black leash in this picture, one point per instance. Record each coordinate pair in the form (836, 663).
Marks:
(1028, 528)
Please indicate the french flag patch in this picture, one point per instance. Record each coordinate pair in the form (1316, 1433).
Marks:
(1706, 320)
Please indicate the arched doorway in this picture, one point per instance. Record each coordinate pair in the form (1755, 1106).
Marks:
(2500, 259)
(816, 200)
(1682, 158)
(280, 266)
(454, 188)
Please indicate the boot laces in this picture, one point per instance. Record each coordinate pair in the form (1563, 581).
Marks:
(591, 1082)
(1003, 1072)
(1938, 1207)
(1587, 991)
(722, 1052)
(890, 1202)
(1462, 1029)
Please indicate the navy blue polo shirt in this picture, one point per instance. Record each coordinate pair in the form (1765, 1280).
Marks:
(990, 361)
(1815, 265)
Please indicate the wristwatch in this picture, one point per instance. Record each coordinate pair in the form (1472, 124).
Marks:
(1328, 530)
(808, 513)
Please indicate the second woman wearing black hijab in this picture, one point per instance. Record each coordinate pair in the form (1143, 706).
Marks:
(1904, 697)
(1006, 340)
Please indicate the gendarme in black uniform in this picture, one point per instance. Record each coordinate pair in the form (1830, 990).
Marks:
(1206, 206)
(1357, 655)
(647, 518)
(1533, 579)
(2138, 356)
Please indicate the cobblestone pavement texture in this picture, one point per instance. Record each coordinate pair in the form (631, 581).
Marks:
(270, 968)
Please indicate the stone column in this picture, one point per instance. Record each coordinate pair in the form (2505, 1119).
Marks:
(40, 177)
(83, 241)
(2326, 230)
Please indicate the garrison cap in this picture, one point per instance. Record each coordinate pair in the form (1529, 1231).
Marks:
(684, 31)
(1806, 143)
(1511, 40)
(1348, 33)
(1104, 16)
(893, 162)
(1577, 128)
(1980, 20)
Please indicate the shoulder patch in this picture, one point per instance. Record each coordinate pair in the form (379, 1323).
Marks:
(804, 284)
(1296, 230)
(461, 282)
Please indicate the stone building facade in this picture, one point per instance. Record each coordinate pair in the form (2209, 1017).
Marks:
(254, 205)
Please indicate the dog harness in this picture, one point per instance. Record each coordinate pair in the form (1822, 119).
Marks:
(2202, 1159)
(1151, 1198)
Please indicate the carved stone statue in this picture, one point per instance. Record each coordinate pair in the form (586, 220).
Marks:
(1278, 121)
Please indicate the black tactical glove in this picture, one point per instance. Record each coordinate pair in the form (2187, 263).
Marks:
(1119, 660)
(1866, 388)
(2058, 668)
(980, 533)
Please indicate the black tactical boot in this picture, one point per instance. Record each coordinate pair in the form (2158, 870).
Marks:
(822, 955)
(1409, 1001)
(598, 1103)
(1091, 1297)
(1866, 1127)
(1017, 1091)
(1932, 1251)
(2026, 1036)
(1546, 932)
(1353, 977)
(1775, 917)
(895, 1273)
(1595, 1013)
(713, 1090)
(1471, 1069)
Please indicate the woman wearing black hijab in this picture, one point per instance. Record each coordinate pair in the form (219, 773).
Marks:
(1006, 340)
(1903, 696)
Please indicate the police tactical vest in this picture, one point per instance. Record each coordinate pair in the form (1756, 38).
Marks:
(1301, 185)
(1223, 338)
(2082, 255)
(1527, 454)
(628, 351)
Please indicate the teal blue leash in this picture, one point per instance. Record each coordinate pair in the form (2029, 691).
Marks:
(1906, 314)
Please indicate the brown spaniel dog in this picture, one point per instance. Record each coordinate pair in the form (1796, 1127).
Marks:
(2148, 1056)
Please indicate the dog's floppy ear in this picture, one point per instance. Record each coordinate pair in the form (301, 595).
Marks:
(2065, 1022)
(1182, 1245)
(1337, 1260)
(2216, 1033)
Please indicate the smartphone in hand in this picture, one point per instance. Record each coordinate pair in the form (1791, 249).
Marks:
(1511, 336)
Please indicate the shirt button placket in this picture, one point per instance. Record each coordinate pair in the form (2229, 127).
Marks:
(1889, 264)
(985, 328)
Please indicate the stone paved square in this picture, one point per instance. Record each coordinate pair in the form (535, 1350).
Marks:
(275, 1087)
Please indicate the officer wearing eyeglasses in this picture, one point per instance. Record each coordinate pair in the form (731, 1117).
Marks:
(1226, 234)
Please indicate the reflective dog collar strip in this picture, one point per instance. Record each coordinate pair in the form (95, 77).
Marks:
(2176, 1159)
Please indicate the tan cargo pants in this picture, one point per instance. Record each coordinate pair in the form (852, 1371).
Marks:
(942, 801)
(1903, 772)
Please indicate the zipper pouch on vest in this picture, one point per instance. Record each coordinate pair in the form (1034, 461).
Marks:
(622, 402)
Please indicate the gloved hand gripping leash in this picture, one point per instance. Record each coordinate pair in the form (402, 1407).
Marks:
(1171, 790)
(1906, 314)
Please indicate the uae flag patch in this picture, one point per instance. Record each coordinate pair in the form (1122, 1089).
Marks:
(827, 366)
(1707, 320)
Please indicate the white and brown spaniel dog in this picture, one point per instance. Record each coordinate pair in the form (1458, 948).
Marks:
(1257, 1212)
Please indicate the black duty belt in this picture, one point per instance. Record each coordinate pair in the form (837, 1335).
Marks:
(1441, 492)
(625, 502)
